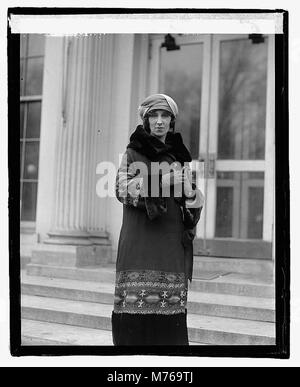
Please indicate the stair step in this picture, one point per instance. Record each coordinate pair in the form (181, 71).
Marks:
(250, 308)
(227, 331)
(91, 273)
(238, 307)
(68, 289)
(87, 314)
(233, 283)
(261, 267)
(202, 329)
(237, 284)
(45, 333)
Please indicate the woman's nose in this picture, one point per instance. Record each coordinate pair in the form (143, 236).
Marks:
(159, 119)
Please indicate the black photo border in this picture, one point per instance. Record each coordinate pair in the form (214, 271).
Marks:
(282, 251)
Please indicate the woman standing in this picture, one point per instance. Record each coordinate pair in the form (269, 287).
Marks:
(155, 252)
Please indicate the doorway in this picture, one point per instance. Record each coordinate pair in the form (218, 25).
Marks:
(224, 87)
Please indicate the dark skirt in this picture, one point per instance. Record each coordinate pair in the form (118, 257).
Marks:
(149, 329)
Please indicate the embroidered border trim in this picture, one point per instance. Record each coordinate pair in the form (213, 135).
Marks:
(150, 291)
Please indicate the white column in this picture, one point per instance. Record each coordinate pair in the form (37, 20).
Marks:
(83, 134)
(84, 137)
(100, 125)
(69, 222)
(95, 110)
(50, 127)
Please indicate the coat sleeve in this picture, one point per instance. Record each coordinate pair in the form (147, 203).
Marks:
(129, 185)
(191, 215)
(192, 208)
(131, 190)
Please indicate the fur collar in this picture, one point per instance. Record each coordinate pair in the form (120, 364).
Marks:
(153, 148)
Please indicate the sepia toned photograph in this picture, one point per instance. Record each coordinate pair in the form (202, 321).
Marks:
(147, 189)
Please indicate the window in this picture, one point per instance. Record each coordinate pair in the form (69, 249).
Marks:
(31, 74)
(181, 78)
(240, 205)
(242, 100)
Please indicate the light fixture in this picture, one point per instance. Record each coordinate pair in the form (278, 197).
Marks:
(170, 43)
(256, 38)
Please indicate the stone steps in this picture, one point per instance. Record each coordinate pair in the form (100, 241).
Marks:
(45, 333)
(258, 267)
(72, 256)
(91, 273)
(63, 256)
(202, 329)
(229, 308)
(250, 308)
(233, 283)
(236, 284)
(237, 307)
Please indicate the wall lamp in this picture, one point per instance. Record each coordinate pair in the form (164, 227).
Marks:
(256, 38)
(170, 43)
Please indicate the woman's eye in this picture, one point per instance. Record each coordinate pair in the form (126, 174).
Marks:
(155, 116)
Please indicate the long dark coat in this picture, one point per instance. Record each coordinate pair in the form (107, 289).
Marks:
(154, 252)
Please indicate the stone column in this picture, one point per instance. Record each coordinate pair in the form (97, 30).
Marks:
(78, 236)
(69, 216)
(100, 125)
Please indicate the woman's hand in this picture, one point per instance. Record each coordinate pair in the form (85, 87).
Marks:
(172, 178)
(178, 176)
(187, 176)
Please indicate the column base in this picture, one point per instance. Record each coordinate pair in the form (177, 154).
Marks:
(71, 256)
(73, 250)
(74, 238)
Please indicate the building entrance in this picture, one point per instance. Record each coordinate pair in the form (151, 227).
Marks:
(224, 87)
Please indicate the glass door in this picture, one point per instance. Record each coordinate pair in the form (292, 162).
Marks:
(224, 86)
(184, 74)
(240, 189)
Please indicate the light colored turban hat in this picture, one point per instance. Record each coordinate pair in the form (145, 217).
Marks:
(158, 101)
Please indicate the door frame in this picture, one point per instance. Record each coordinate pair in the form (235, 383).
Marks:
(268, 165)
(205, 242)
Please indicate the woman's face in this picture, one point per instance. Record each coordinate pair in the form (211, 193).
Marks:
(159, 123)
